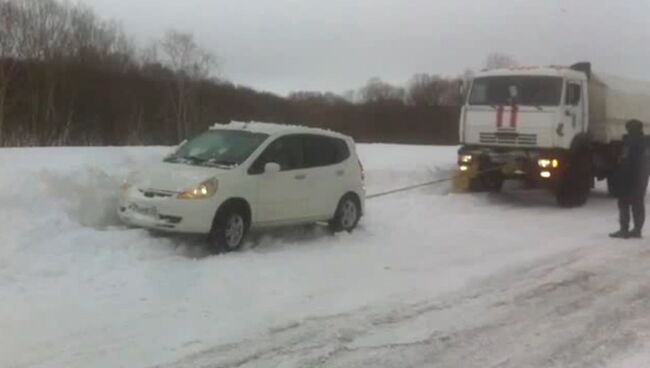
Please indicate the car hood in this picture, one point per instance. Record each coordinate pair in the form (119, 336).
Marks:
(173, 177)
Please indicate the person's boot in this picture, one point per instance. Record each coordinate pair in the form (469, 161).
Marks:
(635, 234)
(621, 234)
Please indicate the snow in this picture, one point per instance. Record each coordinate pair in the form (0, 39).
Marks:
(273, 128)
(431, 279)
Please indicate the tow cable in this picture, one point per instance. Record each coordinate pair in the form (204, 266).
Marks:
(470, 174)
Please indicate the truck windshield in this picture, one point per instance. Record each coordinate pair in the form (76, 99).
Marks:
(220, 148)
(522, 90)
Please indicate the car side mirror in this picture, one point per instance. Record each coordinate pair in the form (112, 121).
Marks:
(271, 168)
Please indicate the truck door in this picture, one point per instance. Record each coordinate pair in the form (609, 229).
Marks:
(574, 114)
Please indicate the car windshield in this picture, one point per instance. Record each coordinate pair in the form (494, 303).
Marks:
(220, 148)
(522, 90)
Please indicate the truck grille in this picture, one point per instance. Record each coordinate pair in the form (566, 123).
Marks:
(508, 138)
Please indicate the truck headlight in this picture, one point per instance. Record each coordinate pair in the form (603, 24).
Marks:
(546, 163)
(465, 159)
(204, 190)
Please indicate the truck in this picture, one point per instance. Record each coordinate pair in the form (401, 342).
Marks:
(555, 127)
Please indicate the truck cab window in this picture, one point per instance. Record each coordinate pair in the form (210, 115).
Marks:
(522, 90)
(573, 94)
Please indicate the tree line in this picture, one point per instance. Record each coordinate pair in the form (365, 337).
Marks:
(68, 77)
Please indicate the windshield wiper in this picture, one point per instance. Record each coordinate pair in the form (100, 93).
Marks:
(185, 159)
(228, 164)
(194, 160)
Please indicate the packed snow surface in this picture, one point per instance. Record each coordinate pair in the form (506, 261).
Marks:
(430, 279)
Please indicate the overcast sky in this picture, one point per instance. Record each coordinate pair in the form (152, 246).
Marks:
(336, 45)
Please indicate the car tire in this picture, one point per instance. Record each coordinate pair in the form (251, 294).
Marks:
(229, 230)
(347, 215)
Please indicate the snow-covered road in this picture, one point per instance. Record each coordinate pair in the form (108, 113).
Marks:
(431, 279)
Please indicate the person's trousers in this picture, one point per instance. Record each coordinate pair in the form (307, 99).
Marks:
(635, 205)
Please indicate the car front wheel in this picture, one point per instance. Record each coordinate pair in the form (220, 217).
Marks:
(347, 216)
(229, 231)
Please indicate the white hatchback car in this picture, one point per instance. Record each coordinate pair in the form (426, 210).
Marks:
(248, 175)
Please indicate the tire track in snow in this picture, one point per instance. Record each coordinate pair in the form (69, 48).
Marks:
(582, 309)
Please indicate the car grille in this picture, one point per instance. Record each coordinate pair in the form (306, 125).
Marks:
(508, 138)
(154, 193)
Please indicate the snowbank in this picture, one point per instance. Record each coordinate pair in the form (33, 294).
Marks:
(80, 290)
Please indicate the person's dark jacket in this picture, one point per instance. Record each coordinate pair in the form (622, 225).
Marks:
(632, 175)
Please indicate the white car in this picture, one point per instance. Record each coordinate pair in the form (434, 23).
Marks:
(240, 176)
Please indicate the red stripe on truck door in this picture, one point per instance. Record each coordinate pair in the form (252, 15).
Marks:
(513, 116)
(499, 116)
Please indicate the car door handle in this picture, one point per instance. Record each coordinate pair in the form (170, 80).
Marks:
(340, 173)
(300, 177)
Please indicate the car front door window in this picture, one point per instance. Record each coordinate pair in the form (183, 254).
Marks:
(285, 151)
(282, 196)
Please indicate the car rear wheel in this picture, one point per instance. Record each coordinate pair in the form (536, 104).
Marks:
(347, 216)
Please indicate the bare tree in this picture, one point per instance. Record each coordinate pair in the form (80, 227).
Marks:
(377, 90)
(425, 90)
(191, 63)
(43, 26)
(93, 41)
(497, 60)
(351, 96)
(44, 39)
(8, 54)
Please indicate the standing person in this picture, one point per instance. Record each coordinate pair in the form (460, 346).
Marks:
(632, 181)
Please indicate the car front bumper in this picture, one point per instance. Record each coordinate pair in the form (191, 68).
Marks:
(167, 214)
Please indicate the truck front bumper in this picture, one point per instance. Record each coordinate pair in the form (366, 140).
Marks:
(541, 167)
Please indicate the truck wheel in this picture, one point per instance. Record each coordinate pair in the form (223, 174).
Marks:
(491, 182)
(574, 187)
(490, 178)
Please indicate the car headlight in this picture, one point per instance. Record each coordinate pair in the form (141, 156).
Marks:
(129, 180)
(206, 189)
